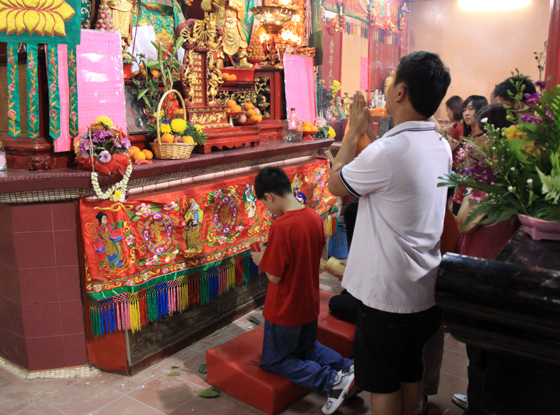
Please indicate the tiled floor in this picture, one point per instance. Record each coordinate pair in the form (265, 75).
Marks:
(157, 390)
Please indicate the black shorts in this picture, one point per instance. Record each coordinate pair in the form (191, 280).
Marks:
(388, 347)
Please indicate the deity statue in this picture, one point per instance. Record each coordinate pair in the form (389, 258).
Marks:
(229, 18)
(346, 101)
(388, 81)
(122, 14)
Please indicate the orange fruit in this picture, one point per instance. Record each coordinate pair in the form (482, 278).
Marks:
(306, 128)
(232, 77)
(231, 103)
(167, 138)
(237, 108)
(148, 154)
(139, 155)
(225, 76)
(188, 139)
(250, 113)
(259, 117)
(133, 149)
(253, 118)
(248, 106)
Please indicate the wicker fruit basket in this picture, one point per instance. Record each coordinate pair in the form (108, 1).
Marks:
(171, 151)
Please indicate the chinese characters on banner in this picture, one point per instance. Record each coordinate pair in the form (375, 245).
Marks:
(385, 56)
(197, 73)
(332, 55)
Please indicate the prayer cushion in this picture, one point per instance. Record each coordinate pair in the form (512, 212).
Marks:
(235, 368)
(333, 332)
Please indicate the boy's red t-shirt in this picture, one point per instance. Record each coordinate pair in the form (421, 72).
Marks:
(293, 253)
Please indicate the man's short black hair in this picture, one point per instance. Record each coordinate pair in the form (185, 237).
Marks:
(501, 90)
(455, 104)
(272, 180)
(426, 79)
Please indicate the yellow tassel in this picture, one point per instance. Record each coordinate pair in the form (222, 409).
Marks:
(184, 293)
(135, 315)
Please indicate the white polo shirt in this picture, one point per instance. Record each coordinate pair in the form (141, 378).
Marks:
(395, 253)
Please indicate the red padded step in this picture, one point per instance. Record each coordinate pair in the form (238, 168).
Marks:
(332, 332)
(235, 368)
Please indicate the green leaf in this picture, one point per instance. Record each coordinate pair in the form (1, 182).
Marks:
(174, 374)
(119, 224)
(254, 320)
(202, 368)
(141, 94)
(208, 393)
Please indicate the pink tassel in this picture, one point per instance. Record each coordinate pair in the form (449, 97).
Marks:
(126, 316)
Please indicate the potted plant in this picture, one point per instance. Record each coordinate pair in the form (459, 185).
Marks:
(518, 167)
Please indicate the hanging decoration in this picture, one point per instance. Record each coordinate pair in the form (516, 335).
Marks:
(32, 23)
(157, 255)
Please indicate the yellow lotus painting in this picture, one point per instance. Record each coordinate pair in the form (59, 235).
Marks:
(38, 21)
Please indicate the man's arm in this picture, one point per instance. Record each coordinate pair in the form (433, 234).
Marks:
(272, 278)
(359, 121)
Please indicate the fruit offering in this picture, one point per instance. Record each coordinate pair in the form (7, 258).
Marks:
(309, 128)
(232, 106)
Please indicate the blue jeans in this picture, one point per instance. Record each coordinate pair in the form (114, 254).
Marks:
(294, 352)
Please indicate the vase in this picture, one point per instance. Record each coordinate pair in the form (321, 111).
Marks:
(540, 229)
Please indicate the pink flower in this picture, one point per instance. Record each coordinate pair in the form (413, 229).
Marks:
(31, 65)
(53, 114)
(52, 61)
(130, 239)
(32, 91)
(11, 114)
(73, 115)
(32, 117)
(130, 283)
(104, 156)
(152, 260)
(73, 90)
(11, 61)
(12, 87)
(71, 63)
(53, 87)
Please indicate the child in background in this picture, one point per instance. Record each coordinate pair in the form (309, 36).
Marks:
(291, 261)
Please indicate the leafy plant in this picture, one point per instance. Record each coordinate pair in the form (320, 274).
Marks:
(518, 167)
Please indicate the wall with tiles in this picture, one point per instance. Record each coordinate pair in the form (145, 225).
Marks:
(41, 315)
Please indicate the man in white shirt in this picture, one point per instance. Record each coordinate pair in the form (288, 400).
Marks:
(395, 253)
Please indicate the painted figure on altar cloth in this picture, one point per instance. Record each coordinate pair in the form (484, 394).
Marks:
(297, 183)
(109, 241)
(250, 201)
(193, 228)
(229, 17)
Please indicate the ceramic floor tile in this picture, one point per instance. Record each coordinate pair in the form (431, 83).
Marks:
(454, 363)
(452, 344)
(165, 393)
(40, 407)
(222, 405)
(83, 397)
(15, 397)
(126, 405)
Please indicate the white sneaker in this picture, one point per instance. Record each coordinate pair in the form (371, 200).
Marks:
(460, 400)
(343, 383)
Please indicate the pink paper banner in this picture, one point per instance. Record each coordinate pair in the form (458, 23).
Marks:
(100, 83)
(364, 73)
(300, 87)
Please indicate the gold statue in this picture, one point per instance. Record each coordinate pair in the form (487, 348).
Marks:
(121, 14)
(388, 82)
(229, 15)
(346, 101)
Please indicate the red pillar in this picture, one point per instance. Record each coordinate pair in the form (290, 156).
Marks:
(553, 48)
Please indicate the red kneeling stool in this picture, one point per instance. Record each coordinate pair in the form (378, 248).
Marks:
(333, 332)
(235, 368)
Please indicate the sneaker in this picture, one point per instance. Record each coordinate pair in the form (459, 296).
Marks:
(460, 400)
(343, 383)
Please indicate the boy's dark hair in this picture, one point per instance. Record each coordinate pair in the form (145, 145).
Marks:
(496, 115)
(501, 90)
(455, 104)
(426, 79)
(478, 102)
(272, 180)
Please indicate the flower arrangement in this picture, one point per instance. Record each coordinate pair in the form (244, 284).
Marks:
(151, 74)
(173, 128)
(103, 148)
(326, 95)
(518, 167)
(325, 132)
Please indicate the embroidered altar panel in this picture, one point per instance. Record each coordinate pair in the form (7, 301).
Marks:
(159, 254)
